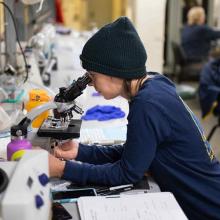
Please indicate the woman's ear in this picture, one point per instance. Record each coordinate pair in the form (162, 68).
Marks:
(116, 79)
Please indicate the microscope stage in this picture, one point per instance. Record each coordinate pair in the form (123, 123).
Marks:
(58, 129)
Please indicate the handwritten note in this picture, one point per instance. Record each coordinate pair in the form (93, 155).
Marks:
(153, 206)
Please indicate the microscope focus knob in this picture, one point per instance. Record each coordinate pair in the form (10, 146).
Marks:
(38, 201)
(62, 90)
(43, 179)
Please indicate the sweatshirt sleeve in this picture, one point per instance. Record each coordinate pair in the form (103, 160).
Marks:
(147, 128)
(99, 154)
(211, 34)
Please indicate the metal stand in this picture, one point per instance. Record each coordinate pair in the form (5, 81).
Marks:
(213, 129)
(10, 36)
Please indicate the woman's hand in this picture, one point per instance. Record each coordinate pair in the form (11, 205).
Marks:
(67, 150)
(56, 166)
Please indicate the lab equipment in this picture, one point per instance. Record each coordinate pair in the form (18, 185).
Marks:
(31, 2)
(37, 97)
(9, 55)
(11, 36)
(4, 119)
(63, 127)
(58, 129)
(42, 45)
(3, 180)
(27, 195)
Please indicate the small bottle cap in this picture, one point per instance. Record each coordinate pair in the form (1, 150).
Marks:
(18, 131)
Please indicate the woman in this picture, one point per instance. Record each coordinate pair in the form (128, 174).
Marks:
(196, 37)
(163, 135)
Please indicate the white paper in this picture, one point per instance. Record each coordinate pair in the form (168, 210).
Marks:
(103, 136)
(152, 206)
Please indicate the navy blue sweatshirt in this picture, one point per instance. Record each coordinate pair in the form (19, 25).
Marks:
(165, 139)
(196, 41)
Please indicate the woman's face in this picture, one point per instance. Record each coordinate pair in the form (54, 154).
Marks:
(109, 87)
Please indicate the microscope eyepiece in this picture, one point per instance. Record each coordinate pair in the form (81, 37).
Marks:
(74, 90)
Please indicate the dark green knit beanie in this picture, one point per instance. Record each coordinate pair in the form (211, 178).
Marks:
(115, 50)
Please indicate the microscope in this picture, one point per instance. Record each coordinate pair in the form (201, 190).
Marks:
(60, 127)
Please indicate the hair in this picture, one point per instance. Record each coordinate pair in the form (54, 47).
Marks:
(195, 14)
(127, 86)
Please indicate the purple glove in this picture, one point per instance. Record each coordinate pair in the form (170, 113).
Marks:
(103, 113)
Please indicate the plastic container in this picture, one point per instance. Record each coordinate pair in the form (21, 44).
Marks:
(19, 144)
(37, 97)
(16, 149)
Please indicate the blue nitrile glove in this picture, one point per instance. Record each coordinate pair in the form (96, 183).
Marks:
(103, 113)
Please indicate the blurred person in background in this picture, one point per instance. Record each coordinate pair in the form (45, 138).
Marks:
(209, 87)
(196, 36)
(187, 5)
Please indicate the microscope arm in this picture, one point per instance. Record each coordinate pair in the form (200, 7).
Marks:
(40, 109)
(61, 107)
(21, 128)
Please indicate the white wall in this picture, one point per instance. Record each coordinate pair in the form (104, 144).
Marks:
(216, 12)
(149, 18)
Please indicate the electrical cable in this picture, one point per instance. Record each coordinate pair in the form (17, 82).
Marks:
(17, 38)
(3, 180)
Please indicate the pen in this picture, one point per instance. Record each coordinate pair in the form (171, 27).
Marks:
(121, 187)
(105, 142)
(115, 192)
(115, 189)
